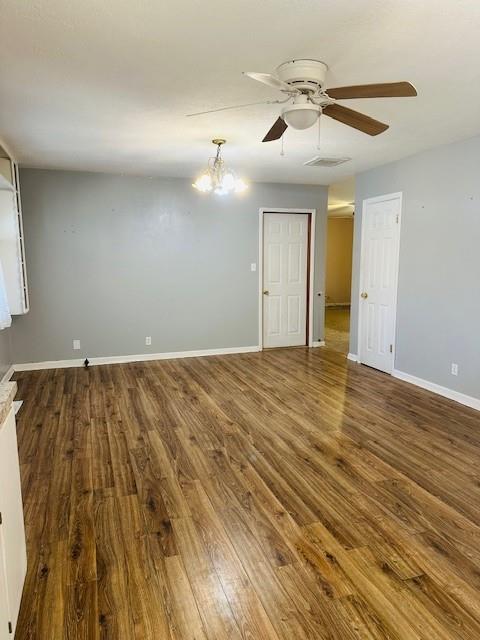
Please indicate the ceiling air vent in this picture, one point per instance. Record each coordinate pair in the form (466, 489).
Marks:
(321, 161)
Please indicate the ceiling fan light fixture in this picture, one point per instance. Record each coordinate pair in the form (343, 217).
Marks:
(217, 177)
(304, 82)
(301, 116)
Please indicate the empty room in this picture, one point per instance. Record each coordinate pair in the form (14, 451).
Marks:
(239, 311)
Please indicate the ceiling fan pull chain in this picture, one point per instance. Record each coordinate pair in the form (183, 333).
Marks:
(319, 131)
(282, 152)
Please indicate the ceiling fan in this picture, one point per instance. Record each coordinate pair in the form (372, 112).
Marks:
(303, 83)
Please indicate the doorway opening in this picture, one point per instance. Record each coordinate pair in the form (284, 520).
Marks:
(338, 282)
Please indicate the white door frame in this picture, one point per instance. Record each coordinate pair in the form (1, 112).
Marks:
(311, 252)
(398, 195)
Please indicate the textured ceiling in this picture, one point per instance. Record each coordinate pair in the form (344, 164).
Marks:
(104, 86)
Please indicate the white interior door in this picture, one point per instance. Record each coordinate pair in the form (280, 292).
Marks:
(378, 280)
(285, 259)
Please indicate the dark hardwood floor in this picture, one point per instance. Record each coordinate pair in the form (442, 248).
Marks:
(281, 495)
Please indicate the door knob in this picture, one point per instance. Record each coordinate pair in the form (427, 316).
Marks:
(364, 295)
(266, 292)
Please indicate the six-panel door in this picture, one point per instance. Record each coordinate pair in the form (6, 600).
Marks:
(285, 253)
(379, 281)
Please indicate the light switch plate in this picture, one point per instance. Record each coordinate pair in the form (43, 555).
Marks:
(76, 344)
(253, 266)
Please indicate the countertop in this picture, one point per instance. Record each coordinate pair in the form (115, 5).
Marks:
(7, 394)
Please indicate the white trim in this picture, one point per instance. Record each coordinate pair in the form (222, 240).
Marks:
(388, 196)
(462, 398)
(260, 277)
(311, 248)
(8, 374)
(21, 241)
(142, 357)
(318, 343)
(353, 357)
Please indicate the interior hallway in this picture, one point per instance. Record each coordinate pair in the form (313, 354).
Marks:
(337, 328)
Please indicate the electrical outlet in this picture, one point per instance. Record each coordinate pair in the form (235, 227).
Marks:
(253, 266)
(148, 340)
(454, 369)
(76, 344)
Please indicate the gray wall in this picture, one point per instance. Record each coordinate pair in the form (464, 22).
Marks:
(5, 354)
(438, 312)
(112, 259)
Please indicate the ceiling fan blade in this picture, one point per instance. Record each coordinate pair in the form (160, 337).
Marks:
(271, 81)
(355, 119)
(277, 131)
(380, 90)
(237, 106)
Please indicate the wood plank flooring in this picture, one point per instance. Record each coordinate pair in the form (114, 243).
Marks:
(284, 495)
(337, 328)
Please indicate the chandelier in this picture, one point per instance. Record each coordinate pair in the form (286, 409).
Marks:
(217, 177)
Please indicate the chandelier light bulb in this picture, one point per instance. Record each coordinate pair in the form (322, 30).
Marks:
(228, 182)
(204, 183)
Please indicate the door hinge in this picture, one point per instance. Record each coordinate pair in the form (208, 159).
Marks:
(397, 219)
(1, 521)
(10, 628)
(391, 348)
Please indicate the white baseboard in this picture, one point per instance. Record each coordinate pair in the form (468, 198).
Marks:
(142, 357)
(462, 398)
(8, 374)
(338, 304)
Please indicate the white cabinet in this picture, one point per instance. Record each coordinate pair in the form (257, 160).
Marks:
(12, 251)
(5, 632)
(13, 555)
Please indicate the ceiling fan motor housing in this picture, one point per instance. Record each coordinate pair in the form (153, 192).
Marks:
(306, 75)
